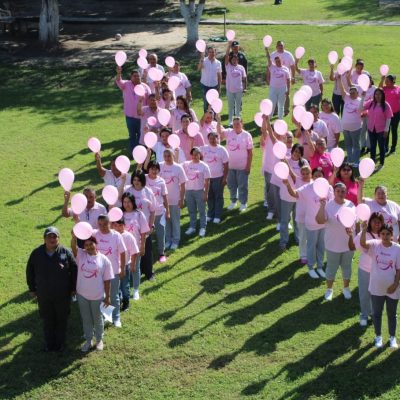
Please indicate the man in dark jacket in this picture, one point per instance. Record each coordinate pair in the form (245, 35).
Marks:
(51, 277)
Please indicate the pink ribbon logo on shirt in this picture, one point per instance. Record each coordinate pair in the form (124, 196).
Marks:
(389, 221)
(236, 148)
(211, 160)
(108, 252)
(389, 264)
(171, 180)
(194, 177)
(89, 272)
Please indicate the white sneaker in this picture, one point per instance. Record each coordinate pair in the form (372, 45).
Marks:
(100, 346)
(209, 219)
(313, 274)
(243, 207)
(174, 246)
(202, 232)
(290, 226)
(346, 293)
(328, 294)
(265, 203)
(117, 323)
(278, 227)
(378, 342)
(321, 272)
(393, 342)
(363, 322)
(136, 294)
(270, 216)
(86, 346)
(231, 206)
(216, 220)
(190, 231)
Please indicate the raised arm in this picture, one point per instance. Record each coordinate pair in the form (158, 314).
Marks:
(341, 87)
(382, 81)
(228, 50)
(64, 211)
(74, 244)
(320, 218)
(296, 65)
(360, 191)
(310, 142)
(332, 73)
(269, 62)
(99, 166)
(139, 106)
(363, 237)
(293, 192)
(200, 64)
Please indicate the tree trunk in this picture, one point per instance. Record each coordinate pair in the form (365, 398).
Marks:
(192, 14)
(49, 22)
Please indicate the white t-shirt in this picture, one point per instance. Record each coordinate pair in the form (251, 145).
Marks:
(90, 215)
(334, 125)
(209, 72)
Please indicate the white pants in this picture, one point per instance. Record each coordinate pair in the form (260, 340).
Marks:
(278, 96)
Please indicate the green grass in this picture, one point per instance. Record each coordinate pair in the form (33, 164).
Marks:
(229, 317)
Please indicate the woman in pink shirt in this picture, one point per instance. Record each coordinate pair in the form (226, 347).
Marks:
(145, 112)
(166, 100)
(207, 124)
(319, 156)
(197, 185)
(384, 280)
(188, 142)
(332, 121)
(182, 108)
(375, 224)
(379, 119)
(345, 175)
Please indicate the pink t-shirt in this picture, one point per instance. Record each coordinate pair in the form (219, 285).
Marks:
(376, 116)
(286, 58)
(197, 173)
(392, 96)
(131, 99)
(147, 112)
(92, 272)
(284, 194)
(159, 189)
(174, 175)
(234, 78)
(185, 139)
(90, 215)
(136, 224)
(303, 141)
(237, 146)
(312, 79)
(205, 129)
(112, 246)
(351, 118)
(324, 161)
(269, 160)
(320, 128)
(176, 118)
(336, 238)
(365, 261)
(145, 200)
(215, 157)
(301, 204)
(130, 244)
(334, 125)
(351, 190)
(278, 76)
(385, 263)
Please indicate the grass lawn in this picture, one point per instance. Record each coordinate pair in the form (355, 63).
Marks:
(229, 316)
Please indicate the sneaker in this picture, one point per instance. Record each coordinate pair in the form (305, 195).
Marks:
(190, 231)
(393, 343)
(209, 219)
(100, 346)
(321, 272)
(303, 261)
(152, 278)
(278, 227)
(174, 246)
(328, 294)
(136, 294)
(163, 259)
(313, 274)
(363, 322)
(117, 323)
(168, 245)
(290, 226)
(378, 342)
(231, 206)
(270, 216)
(125, 305)
(243, 207)
(202, 232)
(86, 346)
(346, 293)
(216, 220)
(265, 203)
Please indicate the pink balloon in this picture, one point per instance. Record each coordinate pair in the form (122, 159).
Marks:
(230, 35)
(123, 164)
(348, 51)
(307, 120)
(366, 167)
(347, 216)
(174, 141)
(384, 69)
(120, 58)
(212, 95)
(66, 178)
(217, 105)
(341, 69)
(298, 112)
(151, 121)
(94, 144)
(143, 53)
(78, 203)
(337, 156)
(363, 212)
(170, 62)
(266, 106)
(164, 116)
(142, 62)
(364, 82)
(321, 188)
(333, 57)
(150, 140)
(139, 90)
(347, 62)
(281, 170)
(280, 127)
(155, 74)
(193, 129)
(115, 214)
(110, 194)
(307, 89)
(299, 52)
(300, 98)
(201, 46)
(173, 83)
(83, 230)
(279, 149)
(139, 153)
(267, 41)
(258, 119)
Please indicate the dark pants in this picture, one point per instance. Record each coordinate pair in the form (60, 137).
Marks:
(133, 125)
(205, 89)
(215, 201)
(338, 103)
(394, 125)
(54, 313)
(374, 139)
(315, 100)
(146, 262)
(124, 285)
(377, 308)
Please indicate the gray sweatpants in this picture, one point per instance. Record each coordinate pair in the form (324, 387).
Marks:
(238, 182)
(363, 293)
(334, 260)
(195, 202)
(377, 308)
(91, 318)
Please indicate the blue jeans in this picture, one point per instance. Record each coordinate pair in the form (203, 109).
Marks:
(173, 225)
(137, 274)
(133, 125)
(215, 200)
(238, 182)
(205, 89)
(195, 202)
(363, 293)
(315, 248)
(160, 234)
(277, 201)
(352, 141)
(287, 208)
(124, 285)
(114, 297)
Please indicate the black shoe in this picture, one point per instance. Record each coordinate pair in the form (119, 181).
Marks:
(125, 305)
(393, 150)
(152, 278)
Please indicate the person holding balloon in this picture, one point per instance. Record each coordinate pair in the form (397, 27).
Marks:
(160, 146)
(147, 113)
(319, 126)
(332, 121)
(337, 99)
(384, 280)
(167, 99)
(152, 60)
(305, 137)
(344, 174)
(208, 124)
(319, 156)
(182, 108)
(236, 83)
(189, 135)
(337, 215)
(184, 87)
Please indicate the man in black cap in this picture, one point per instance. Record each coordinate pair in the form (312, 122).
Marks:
(242, 60)
(51, 277)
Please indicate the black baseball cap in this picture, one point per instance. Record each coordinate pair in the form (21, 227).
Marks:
(51, 230)
(235, 43)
